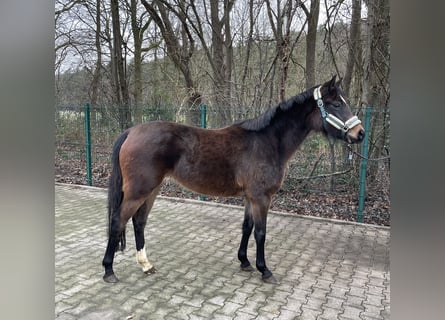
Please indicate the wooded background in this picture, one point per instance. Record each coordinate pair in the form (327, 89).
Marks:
(127, 58)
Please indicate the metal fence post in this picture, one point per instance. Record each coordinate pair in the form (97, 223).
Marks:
(364, 162)
(203, 111)
(88, 144)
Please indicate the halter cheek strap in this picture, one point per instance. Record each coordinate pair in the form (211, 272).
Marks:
(331, 119)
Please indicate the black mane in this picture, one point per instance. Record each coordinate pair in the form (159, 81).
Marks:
(263, 120)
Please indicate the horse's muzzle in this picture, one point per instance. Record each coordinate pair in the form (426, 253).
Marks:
(356, 134)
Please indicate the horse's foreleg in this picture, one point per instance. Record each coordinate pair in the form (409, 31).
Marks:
(260, 238)
(139, 222)
(247, 231)
(259, 213)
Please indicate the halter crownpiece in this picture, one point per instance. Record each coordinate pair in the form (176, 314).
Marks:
(330, 118)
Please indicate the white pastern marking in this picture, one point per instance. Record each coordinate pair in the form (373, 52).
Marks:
(141, 258)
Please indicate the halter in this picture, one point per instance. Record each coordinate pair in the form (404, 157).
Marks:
(331, 119)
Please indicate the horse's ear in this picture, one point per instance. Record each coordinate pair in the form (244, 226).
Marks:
(331, 83)
(338, 83)
(330, 86)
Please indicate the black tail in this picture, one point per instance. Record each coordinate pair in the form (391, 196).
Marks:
(115, 194)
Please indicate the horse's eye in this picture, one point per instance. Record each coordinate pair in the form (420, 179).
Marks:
(336, 104)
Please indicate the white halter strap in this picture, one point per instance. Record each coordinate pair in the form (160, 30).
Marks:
(331, 119)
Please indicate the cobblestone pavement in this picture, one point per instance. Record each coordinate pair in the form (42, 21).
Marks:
(326, 270)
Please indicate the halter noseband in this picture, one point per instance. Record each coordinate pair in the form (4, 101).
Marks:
(331, 119)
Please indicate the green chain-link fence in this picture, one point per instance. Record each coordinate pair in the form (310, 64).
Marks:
(85, 135)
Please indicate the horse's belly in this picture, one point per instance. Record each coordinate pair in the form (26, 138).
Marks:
(210, 183)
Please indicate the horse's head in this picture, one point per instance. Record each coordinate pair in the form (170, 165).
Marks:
(337, 118)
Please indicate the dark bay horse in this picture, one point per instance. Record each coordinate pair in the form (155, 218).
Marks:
(248, 158)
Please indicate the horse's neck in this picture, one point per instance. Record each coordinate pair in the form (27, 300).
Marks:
(291, 142)
(293, 132)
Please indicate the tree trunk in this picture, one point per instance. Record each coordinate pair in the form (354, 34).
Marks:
(376, 80)
(243, 96)
(311, 40)
(123, 98)
(180, 48)
(97, 69)
(352, 63)
(222, 59)
(281, 23)
(137, 86)
(354, 43)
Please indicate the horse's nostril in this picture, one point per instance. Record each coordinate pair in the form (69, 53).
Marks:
(361, 134)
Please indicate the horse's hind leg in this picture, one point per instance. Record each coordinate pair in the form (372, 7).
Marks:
(118, 223)
(113, 241)
(139, 222)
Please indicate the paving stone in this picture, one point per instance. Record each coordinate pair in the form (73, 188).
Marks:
(330, 313)
(267, 316)
(274, 307)
(251, 307)
(309, 314)
(182, 312)
(218, 300)
(375, 300)
(318, 293)
(229, 309)
(240, 297)
(372, 310)
(100, 315)
(65, 316)
(326, 270)
(244, 316)
(218, 316)
(338, 291)
(207, 309)
(350, 312)
(334, 302)
(195, 317)
(354, 301)
(288, 315)
(62, 307)
(375, 290)
(314, 303)
(358, 292)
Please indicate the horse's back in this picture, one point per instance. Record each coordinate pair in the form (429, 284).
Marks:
(203, 160)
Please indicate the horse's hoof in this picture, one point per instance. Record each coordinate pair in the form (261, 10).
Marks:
(248, 268)
(152, 270)
(110, 278)
(270, 279)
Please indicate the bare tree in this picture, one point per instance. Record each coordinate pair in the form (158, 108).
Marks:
(376, 74)
(376, 89)
(220, 53)
(180, 48)
(79, 37)
(280, 20)
(138, 27)
(119, 77)
(98, 67)
(249, 42)
(222, 56)
(354, 45)
(70, 32)
(312, 15)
